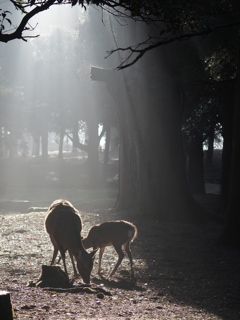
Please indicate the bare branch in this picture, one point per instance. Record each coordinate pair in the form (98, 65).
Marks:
(141, 51)
(150, 12)
(17, 34)
(76, 144)
(116, 9)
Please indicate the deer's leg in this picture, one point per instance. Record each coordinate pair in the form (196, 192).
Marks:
(120, 258)
(62, 251)
(59, 259)
(126, 247)
(100, 259)
(55, 250)
(74, 268)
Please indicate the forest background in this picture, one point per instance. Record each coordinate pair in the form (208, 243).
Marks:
(140, 126)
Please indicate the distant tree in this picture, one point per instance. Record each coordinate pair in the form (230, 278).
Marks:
(231, 234)
(221, 68)
(151, 181)
(12, 118)
(202, 124)
(61, 61)
(202, 111)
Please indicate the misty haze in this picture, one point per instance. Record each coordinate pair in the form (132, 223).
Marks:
(119, 160)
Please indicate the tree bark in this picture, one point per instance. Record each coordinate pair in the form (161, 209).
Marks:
(152, 163)
(227, 98)
(231, 234)
(196, 166)
(209, 153)
(152, 173)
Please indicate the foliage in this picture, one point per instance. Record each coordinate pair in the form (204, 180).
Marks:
(222, 64)
(172, 20)
(4, 17)
(180, 20)
(214, 68)
(202, 119)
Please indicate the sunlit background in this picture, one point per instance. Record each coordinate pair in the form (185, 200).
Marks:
(48, 98)
(54, 107)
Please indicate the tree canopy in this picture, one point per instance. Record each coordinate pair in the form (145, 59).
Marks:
(156, 184)
(171, 20)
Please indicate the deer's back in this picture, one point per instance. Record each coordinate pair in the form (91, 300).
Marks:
(63, 223)
(112, 232)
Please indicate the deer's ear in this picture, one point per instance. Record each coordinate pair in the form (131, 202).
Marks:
(92, 254)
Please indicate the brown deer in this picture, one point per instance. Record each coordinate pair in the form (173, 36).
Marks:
(64, 225)
(118, 234)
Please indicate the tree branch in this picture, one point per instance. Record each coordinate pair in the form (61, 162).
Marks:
(140, 52)
(117, 9)
(17, 34)
(77, 144)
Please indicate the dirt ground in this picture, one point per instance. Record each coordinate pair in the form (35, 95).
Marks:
(180, 273)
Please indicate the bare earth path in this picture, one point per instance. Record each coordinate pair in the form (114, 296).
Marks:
(180, 273)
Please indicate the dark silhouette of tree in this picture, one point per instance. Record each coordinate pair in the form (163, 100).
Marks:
(176, 20)
(158, 185)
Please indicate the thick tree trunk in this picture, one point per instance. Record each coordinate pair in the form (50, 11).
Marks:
(227, 97)
(209, 153)
(231, 234)
(196, 166)
(152, 163)
(152, 172)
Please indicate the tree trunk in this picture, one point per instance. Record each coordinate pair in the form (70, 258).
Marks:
(231, 234)
(60, 146)
(209, 153)
(106, 153)
(196, 166)
(152, 163)
(152, 173)
(93, 143)
(75, 137)
(227, 97)
(36, 146)
(11, 146)
(44, 141)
